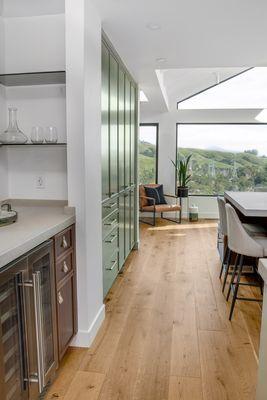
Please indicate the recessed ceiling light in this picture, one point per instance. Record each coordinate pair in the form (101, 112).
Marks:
(161, 60)
(153, 26)
(143, 98)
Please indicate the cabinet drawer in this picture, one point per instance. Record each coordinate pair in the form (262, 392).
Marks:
(109, 224)
(64, 267)
(110, 245)
(109, 208)
(64, 241)
(110, 272)
(66, 314)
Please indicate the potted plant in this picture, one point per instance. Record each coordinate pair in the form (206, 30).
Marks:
(181, 167)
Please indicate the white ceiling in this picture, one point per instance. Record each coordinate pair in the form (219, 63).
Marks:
(193, 34)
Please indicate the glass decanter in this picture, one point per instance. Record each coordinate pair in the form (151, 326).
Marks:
(13, 135)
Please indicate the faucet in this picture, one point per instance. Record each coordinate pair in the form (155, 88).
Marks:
(7, 206)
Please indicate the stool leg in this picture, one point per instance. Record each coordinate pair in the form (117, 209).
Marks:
(233, 275)
(236, 287)
(227, 269)
(225, 257)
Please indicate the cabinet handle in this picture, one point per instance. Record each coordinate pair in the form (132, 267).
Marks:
(111, 240)
(65, 268)
(112, 266)
(111, 222)
(109, 206)
(64, 242)
(60, 298)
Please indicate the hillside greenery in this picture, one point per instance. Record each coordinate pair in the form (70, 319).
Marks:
(213, 171)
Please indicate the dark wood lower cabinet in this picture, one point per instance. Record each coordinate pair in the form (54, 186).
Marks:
(66, 314)
(66, 292)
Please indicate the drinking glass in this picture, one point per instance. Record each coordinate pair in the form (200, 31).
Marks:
(37, 134)
(51, 134)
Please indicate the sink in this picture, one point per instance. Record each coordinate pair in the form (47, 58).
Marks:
(8, 217)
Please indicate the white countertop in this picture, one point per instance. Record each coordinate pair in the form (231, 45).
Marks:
(35, 224)
(250, 204)
(262, 268)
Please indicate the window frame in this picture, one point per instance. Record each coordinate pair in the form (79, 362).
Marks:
(206, 123)
(155, 124)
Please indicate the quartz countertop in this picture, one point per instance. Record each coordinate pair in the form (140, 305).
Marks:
(263, 269)
(37, 222)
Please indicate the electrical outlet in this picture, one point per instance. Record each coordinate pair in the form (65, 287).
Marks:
(40, 182)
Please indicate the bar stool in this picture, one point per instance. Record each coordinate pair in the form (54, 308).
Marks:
(241, 243)
(223, 230)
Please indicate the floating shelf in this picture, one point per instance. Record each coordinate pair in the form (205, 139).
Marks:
(33, 78)
(33, 144)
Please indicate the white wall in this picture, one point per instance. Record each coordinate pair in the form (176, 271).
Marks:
(35, 43)
(83, 65)
(23, 8)
(25, 164)
(167, 145)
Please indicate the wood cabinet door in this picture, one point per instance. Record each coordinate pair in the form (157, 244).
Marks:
(113, 129)
(66, 314)
(105, 123)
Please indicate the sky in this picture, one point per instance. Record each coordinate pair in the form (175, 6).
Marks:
(243, 91)
(235, 138)
(148, 134)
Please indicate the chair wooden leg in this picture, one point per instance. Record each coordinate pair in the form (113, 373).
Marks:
(236, 286)
(225, 257)
(237, 260)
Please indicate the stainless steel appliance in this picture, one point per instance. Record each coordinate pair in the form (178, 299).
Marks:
(27, 325)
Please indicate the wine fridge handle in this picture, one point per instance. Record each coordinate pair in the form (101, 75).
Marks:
(38, 326)
(22, 329)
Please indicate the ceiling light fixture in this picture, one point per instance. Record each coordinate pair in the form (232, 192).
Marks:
(262, 116)
(143, 98)
(153, 26)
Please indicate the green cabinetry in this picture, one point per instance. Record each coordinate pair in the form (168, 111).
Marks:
(119, 163)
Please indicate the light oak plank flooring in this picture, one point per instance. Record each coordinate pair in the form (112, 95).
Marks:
(166, 335)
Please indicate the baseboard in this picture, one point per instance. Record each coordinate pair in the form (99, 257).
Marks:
(86, 338)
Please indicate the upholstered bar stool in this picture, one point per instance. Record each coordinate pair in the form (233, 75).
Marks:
(223, 231)
(241, 243)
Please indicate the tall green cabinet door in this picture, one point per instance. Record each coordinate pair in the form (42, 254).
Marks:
(133, 134)
(105, 123)
(121, 129)
(113, 120)
(132, 217)
(127, 132)
(121, 231)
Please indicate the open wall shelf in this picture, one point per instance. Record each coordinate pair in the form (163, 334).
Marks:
(33, 144)
(33, 78)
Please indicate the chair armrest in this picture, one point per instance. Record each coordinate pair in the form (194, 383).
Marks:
(148, 198)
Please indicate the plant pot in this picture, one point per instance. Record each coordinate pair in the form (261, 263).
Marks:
(182, 191)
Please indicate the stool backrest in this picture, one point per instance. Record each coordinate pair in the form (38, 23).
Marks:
(239, 240)
(222, 215)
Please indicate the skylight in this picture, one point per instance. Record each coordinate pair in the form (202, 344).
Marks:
(246, 90)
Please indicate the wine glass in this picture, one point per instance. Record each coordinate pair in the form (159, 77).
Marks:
(51, 135)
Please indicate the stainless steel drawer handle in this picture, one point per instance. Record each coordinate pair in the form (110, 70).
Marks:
(113, 237)
(111, 222)
(36, 283)
(112, 266)
(65, 268)
(60, 298)
(109, 206)
(64, 242)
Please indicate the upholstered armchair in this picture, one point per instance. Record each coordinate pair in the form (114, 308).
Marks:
(149, 204)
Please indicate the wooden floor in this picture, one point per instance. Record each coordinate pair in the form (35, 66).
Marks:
(166, 335)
